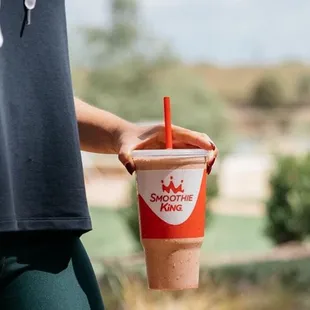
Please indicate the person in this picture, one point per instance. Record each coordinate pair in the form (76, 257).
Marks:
(43, 207)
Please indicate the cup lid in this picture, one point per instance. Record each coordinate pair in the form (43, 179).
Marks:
(171, 153)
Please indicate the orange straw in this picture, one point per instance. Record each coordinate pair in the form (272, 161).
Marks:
(167, 115)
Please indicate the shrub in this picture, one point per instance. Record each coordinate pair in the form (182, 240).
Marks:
(299, 196)
(288, 203)
(267, 94)
(131, 216)
(303, 88)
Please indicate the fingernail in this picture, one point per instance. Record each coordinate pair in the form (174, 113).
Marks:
(212, 145)
(210, 165)
(129, 168)
(212, 161)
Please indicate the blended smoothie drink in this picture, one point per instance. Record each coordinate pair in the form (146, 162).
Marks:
(171, 188)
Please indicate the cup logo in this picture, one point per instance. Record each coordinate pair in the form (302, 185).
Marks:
(171, 187)
(170, 194)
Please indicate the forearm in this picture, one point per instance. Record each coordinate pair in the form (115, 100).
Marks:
(98, 129)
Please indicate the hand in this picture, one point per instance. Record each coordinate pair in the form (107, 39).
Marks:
(153, 137)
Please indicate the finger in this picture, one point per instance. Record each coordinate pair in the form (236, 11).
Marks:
(212, 160)
(153, 142)
(125, 158)
(182, 145)
(152, 132)
(198, 139)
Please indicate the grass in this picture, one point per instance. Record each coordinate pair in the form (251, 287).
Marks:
(269, 297)
(110, 236)
(257, 286)
(235, 234)
(226, 234)
(264, 286)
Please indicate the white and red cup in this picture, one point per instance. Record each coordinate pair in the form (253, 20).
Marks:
(171, 189)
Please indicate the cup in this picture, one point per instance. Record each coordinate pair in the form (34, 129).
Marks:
(171, 189)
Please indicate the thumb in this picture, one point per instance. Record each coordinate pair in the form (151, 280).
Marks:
(125, 158)
(212, 160)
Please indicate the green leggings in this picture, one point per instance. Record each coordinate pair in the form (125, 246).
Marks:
(46, 271)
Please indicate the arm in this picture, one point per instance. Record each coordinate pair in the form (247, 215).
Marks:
(104, 132)
(99, 130)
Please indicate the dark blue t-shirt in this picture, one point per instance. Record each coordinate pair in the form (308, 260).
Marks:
(41, 176)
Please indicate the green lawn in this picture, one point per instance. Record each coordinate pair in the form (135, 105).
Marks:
(225, 234)
(235, 234)
(110, 235)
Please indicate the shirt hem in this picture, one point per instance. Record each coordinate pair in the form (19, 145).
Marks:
(63, 224)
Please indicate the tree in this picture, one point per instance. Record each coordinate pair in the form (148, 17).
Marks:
(299, 196)
(132, 71)
(303, 88)
(130, 74)
(267, 94)
(283, 215)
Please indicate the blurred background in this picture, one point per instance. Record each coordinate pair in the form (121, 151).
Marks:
(238, 70)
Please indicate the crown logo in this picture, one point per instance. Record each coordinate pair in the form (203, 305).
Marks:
(172, 187)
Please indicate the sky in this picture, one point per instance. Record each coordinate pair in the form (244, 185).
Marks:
(223, 32)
